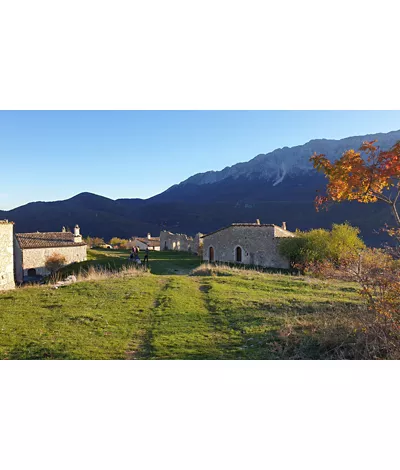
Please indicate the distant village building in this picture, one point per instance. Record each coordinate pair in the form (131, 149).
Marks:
(246, 243)
(6, 255)
(180, 242)
(31, 251)
(152, 243)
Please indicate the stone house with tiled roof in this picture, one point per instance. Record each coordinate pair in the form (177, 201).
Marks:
(6, 255)
(31, 251)
(247, 243)
(152, 243)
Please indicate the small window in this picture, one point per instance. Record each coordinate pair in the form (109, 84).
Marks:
(31, 272)
(211, 254)
(238, 254)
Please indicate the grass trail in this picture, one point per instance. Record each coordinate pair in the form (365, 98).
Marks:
(180, 326)
(233, 315)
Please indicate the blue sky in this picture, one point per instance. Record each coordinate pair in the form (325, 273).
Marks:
(52, 155)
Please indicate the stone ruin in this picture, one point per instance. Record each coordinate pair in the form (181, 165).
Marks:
(181, 242)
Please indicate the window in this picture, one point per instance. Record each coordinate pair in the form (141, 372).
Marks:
(238, 253)
(31, 272)
(211, 254)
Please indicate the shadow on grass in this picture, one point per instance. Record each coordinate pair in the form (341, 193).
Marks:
(34, 350)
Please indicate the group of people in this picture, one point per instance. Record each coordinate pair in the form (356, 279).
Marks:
(134, 256)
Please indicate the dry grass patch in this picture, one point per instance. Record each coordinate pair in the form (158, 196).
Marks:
(208, 269)
(98, 273)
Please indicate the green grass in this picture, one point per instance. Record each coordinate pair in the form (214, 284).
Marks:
(160, 262)
(170, 315)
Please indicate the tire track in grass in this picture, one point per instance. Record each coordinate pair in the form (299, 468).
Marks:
(180, 325)
(226, 335)
(140, 345)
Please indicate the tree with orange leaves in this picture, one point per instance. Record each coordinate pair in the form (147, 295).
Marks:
(372, 177)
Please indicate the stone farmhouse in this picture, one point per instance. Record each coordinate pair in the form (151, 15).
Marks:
(247, 243)
(32, 249)
(180, 242)
(6, 255)
(152, 243)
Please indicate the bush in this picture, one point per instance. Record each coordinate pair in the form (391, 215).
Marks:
(320, 245)
(55, 262)
(378, 275)
(119, 243)
(93, 242)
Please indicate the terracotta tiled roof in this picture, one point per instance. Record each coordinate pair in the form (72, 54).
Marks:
(153, 241)
(245, 225)
(46, 240)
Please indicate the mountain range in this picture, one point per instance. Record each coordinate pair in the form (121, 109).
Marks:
(273, 187)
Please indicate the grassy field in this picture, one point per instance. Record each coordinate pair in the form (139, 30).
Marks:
(168, 314)
(161, 263)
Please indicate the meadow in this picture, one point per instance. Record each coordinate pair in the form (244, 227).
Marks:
(179, 310)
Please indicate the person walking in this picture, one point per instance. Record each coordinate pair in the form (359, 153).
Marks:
(146, 257)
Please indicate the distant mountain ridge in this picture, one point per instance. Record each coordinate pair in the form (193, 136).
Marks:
(274, 187)
(275, 165)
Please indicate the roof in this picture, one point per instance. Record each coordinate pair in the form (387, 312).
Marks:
(46, 240)
(246, 225)
(153, 241)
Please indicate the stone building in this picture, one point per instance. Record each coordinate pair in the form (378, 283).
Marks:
(180, 242)
(6, 255)
(246, 243)
(31, 251)
(152, 243)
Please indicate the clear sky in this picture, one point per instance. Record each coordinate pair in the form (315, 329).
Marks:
(53, 155)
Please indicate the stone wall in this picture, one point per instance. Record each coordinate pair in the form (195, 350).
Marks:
(180, 242)
(18, 271)
(35, 258)
(258, 244)
(6, 255)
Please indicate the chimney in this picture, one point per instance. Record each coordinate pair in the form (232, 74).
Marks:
(148, 236)
(258, 222)
(77, 234)
(284, 225)
(63, 230)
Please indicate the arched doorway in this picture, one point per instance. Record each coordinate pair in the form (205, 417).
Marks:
(211, 254)
(31, 272)
(238, 254)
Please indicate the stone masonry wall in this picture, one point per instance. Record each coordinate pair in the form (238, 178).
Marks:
(259, 245)
(18, 271)
(179, 242)
(35, 258)
(6, 255)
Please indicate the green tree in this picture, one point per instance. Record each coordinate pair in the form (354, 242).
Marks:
(344, 241)
(320, 245)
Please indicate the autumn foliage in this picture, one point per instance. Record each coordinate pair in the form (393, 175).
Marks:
(55, 262)
(367, 175)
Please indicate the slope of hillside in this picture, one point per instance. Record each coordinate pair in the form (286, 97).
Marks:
(275, 187)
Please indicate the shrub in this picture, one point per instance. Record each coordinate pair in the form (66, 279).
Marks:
(378, 275)
(320, 245)
(55, 262)
(119, 243)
